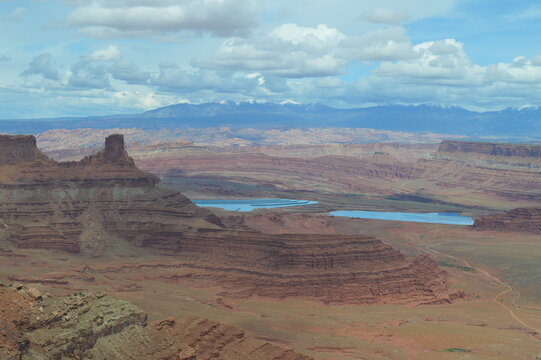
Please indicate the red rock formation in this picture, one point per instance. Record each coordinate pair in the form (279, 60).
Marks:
(485, 170)
(103, 201)
(49, 205)
(330, 268)
(19, 149)
(494, 149)
(526, 220)
(95, 326)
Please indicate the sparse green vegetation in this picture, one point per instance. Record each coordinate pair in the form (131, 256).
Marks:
(463, 268)
(455, 350)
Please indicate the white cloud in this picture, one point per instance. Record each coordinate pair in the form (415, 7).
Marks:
(445, 62)
(330, 83)
(123, 18)
(438, 62)
(380, 44)
(319, 37)
(443, 73)
(110, 53)
(294, 51)
(385, 16)
(130, 73)
(536, 60)
(519, 71)
(173, 79)
(84, 75)
(289, 61)
(289, 50)
(143, 99)
(42, 65)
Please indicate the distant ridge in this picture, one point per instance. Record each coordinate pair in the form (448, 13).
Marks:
(510, 122)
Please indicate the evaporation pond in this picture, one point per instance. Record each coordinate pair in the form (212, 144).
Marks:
(434, 218)
(252, 204)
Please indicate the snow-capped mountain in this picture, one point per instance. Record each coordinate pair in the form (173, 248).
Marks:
(518, 121)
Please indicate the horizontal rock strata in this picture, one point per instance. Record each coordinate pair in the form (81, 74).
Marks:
(526, 220)
(105, 204)
(324, 276)
(99, 327)
(50, 205)
(494, 149)
(19, 148)
(332, 173)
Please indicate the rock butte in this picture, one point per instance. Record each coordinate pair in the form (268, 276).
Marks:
(104, 203)
(99, 327)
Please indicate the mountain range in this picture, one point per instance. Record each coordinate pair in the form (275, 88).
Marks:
(524, 122)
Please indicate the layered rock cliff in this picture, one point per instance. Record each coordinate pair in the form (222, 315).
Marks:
(486, 148)
(99, 327)
(526, 220)
(338, 269)
(104, 203)
(19, 148)
(62, 206)
(510, 172)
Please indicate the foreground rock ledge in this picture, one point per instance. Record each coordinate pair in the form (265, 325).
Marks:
(104, 204)
(99, 327)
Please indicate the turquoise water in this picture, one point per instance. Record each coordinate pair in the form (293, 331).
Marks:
(434, 218)
(245, 205)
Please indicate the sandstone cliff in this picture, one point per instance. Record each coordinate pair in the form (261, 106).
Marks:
(18, 149)
(105, 204)
(338, 269)
(62, 206)
(99, 327)
(517, 220)
(494, 149)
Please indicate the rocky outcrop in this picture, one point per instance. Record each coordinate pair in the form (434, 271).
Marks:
(16, 149)
(104, 204)
(99, 327)
(493, 149)
(63, 206)
(114, 153)
(526, 220)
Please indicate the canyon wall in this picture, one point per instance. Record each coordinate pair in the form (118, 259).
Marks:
(347, 269)
(104, 204)
(63, 206)
(526, 220)
(494, 149)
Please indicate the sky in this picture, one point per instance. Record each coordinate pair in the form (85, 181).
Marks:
(97, 57)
